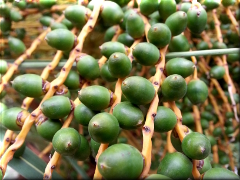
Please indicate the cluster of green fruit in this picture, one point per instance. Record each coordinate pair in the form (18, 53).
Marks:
(123, 160)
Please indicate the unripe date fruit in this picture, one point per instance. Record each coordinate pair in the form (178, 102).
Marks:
(108, 48)
(166, 8)
(135, 25)
(147, 7)
(219, 173)
(16, 45)
(83, 151)
(83, 114)
(217, 72)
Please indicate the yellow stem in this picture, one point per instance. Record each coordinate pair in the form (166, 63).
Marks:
(45, 150)
(232, 18)
(197, 119)
(6, 141)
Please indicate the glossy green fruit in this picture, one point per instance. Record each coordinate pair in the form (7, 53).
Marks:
(73, 80)
(119, 65)
(207, 115)
(77, 15)
(229, 115)
(178, 44)
(20, 4)
(19, 152)
(196, 146)
(15, 16)
(233, 57)
(16, 46)
(165, 120)
(212, 140)
(46, 20)
(56, 107)
(217, 132)
(219, 173)
(176, 166)
(197, 91)
(83, 151)
(177, 22)
(4, 9)
(108, 48)
(134, 87)
(174, 87)
(135, 25)
(3, 66)
(105, 73)
(109, 34)
(147, 7)
(146, 53)
(125, 16)
(95, 97)
(219, 45)
(211, 4)
(21, 32)
(187, 118)
(224, 159)
(87, 67)
(94, 147)
(48, 3)
(12, 118)
(66, 141)
(157, 176)
(197, 19)
(121, 2)
(229, 130)
(185, 6)
(30, 85)
(112, 13)
(202, 46)
(103, 128)
(180, 66)
(204, 123)
(128, 115)
(166, 8)
(61, 39)
(57, 25)
(120, 160)
(5, 25)
(154, 18)
(217, 72)
(159, 34)
(83, 114)
(206, 165)
(125, 39)
(226, 3)
(46, 127)
(67, 23)
(2, 94)
(3, 107)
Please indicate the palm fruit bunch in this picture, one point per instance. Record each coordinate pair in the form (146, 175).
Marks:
(147, 90)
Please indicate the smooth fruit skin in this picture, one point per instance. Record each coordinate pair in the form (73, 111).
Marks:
(147, 7)
(16, 45)
(3, 66)
(217, 132)
(125, 39)
(103, 128)
(146, 53)
(76, 14)
(179, 43)
(95, 97)
(15, 16)
(206, 165)
(3, 107)
(138, 90)
(108, 48)
(46, 20)
(135, 25)
(66, 141)
(197, 91)
(83, 151)
(196, 146)
(73, 80)
(177, 22)
(119, 65)
(219, 173)
(4, 10)
(125, 16)
(56, 107)
(159, 34)
(165, 120)
(57, 25)
(120, 161)
(185, 6)
(202, 46)
(110, 32)
(176, 166)
(106, 75)
(94, 147)
(157, 176)
(233, 57)
(207, 115)
(180, 66)
(128, 115)
(210, 4)
(61, 39)
(166, 8)
(5, 25)
(29, 85)
(187, 118)
(83, 114)
(67, 23)
(217, 72)
(197, 19)
(21, 32)
(47, 4)
(226, 3)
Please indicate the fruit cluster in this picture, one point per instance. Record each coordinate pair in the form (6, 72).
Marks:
(188, 102)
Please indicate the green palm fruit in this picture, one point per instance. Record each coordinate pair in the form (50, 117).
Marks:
(217, 72)
(187, 119)
(204, 123)
(174, 87)
(19, 152)
(207, 115)
(3, 107)
(229, 115)
(122, 140)
(20, 4)
(166, 8)
(108, 48)
(219, 173)
(48, 3)
(206, 165)
(77, 15)
(105, 74)
(21, 32)
(56, 107)
(146, 54)
(3, 66)
(165, 120)
(83, 114)
(180, 66)
(176, 142)
(197, 19)
(231, 58)
(103, 128)
(16, 45)
(2, 94)
(147, 7)
(15, 15)
(46, 20)
(185, 6)
(177, 22)
(61, 39)
(95, 97)
(157, 176)
(125, 39)
(13, 118)
(212, 140)
(154, 18)
(202, 46)
(46, 127)
(211, 4)
(87, 67)
(67, 23)
(135, 25)
(217, 132)
(219, 45)
(83, 151)
(209, 107)
(56, 25)
(110, 32)
(135, 87)
(119, 65)
(197, 91)
(229, 130)
(94, 147)
(125, 16)
(121, 2)
(176, 166)
(73, 80)
(5, 25)
(178, 44)
(159, 34)
(4, 9)
(226, 3)
(111, 13)
(196, 146)
(66, 141)
(120, 155)
(128, 115)
(224, 159)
